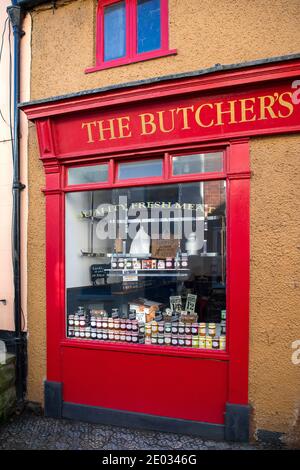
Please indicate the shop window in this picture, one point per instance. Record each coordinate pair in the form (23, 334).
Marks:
(146, 265)
(88, 174)
(144, 169)
(197, 163)
(130, 31)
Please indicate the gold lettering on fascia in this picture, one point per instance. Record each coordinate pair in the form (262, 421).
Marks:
(201, 115)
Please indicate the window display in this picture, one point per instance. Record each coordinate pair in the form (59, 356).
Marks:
(147, 265)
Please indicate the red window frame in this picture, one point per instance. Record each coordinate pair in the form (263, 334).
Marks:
(132, 56)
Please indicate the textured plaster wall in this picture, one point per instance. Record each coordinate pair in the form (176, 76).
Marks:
(204, 32)
(36, 273)
(275, 283)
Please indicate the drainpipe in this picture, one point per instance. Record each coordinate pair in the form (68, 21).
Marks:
(15, 16)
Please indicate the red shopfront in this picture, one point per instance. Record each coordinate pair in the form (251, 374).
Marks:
(146, 327)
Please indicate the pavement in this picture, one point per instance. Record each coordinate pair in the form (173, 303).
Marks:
(31, 430)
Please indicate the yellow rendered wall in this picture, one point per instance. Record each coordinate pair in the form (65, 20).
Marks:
(275, 284)
(204, 32)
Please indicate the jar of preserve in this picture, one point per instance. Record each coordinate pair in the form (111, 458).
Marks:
(154, 327)
(222, 342)
(114, 264)
(93, 333)
(215, 342)
(76, 320)
(174, 340)
(128, 337)
(111, 335)
(100, 334)
(194, 329)
(110, 324)
(76, 332)
(87, 332)
(154, 339)
(168, 327)
(208, 342)
(99, 323)
(122, 336)
(148, 329)
(188, 329)
(181, 340)
(82, 331)
(188, 341)
(81, 321)
(181, 328)
(104, 323)
(128, 325)
(116, 324)
(142, 328)
(174, 328)
(135, 338)
(161, 327)
(71, 332)
(195, 341)
(160, 339)
(104, 335)
(93, 322)
(212, 329)
(202, 329)
(169, 263)
(202, 342)
(121, 263)
(148, 340)
(167, 339)
(135, 326)
(123, 325)
(71, 320)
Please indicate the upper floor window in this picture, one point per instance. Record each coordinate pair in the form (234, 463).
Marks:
(131, 31)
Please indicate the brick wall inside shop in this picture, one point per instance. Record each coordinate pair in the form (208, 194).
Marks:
(214, 194)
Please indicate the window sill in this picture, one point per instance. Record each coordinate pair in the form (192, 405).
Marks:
(146, 349)
(128, 61)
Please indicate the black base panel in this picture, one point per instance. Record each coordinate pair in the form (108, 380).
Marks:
(128, 419)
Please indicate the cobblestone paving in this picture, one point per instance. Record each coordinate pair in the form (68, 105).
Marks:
(31, 431)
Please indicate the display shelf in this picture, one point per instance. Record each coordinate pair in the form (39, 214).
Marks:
(149, 272)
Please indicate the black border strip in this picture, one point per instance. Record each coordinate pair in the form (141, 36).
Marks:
(143, 421)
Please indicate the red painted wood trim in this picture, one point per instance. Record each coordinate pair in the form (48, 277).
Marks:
(238, 266)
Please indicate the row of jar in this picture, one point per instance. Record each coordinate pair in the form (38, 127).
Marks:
(167, 339)
(153, 327)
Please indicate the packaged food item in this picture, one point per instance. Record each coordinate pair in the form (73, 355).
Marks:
(222, 343)
(195, 329)
(71, 332)
(134, 338)
(71, 320)
(174, 340)
(195, 341)
(202, 342)
(167, 339)
(121, 263)
(181, 328)
(215, 342)
(181, 340)
(136, 264)
(154, 339)
(169, 263)
(161, 264)
(188, 341)
(168, 327)
(208, 342)
(212, 329)
(154, 327)
(202, 329)
(93, 333)
(160, 339)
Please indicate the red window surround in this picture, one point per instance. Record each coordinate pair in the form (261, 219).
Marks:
(131, 37)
